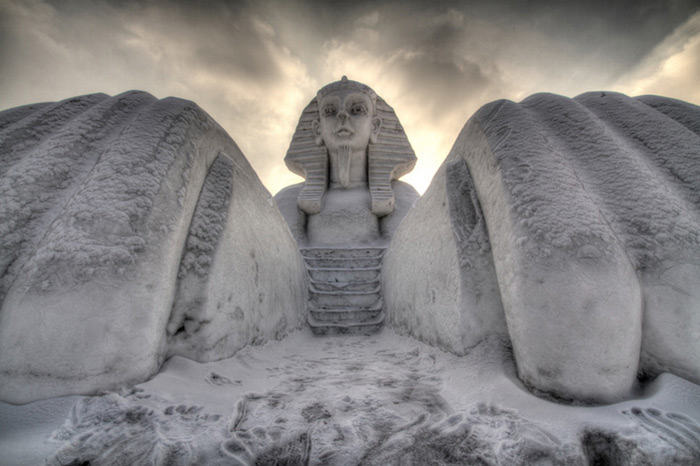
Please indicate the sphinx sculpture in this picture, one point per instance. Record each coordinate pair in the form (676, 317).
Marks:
(351, 149)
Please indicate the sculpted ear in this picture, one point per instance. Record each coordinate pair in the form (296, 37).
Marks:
(376, 128)
(316, 128)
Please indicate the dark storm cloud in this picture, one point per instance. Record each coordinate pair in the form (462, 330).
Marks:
(428, 65)
(636, 25)
(253, 65)
(626, 30)
(218, 36)
(440, 88)
(455, 53)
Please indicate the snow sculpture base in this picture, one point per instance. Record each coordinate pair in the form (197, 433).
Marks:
(345, 294)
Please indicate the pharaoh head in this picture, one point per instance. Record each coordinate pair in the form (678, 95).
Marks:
(347, 116)
(348, 120)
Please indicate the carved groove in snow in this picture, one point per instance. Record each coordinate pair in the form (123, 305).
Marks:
(206, 228)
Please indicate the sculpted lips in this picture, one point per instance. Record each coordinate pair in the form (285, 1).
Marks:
(343, 132)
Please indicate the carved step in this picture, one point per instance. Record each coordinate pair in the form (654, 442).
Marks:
(339, 286)
(343, 258)
(345, 290)
(342, 253)
(339, 316)
(343, 275)
(326, 328)
(343, 262)
(344, 299)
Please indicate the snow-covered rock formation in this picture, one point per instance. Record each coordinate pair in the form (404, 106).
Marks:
(132, 229)
(571, 226)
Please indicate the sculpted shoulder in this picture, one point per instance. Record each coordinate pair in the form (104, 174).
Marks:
(286, 200)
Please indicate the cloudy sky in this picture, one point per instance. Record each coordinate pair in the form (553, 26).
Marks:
(254, 65)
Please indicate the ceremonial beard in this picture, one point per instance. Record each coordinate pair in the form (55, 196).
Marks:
(343, 162)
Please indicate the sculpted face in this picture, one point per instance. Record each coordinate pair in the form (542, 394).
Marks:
(346, 119)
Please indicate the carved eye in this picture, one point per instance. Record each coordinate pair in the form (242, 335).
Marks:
(329, 110)
(358, 109)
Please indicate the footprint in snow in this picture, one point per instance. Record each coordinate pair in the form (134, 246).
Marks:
(675, 428)
(220, 381)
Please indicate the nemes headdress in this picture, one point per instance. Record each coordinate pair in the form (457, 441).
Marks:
(389, 158)
(346, 84)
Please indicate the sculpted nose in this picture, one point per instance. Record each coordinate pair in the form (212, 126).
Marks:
(343, 115)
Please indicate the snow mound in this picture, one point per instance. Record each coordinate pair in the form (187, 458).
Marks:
(131, 229)
(571, 226)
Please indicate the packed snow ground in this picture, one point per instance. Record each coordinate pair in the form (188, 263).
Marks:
(373, 400)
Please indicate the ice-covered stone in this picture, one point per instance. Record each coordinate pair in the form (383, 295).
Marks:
(132, 229)
(584, 215)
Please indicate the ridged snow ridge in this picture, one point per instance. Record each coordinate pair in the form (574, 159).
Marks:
(345, 289)
(131, 229)
(572, 226)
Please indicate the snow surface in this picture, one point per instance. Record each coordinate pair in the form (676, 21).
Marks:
(584, 215)
(349, 400)
(99, 199)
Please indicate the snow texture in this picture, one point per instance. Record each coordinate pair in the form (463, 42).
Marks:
(110, 209)
(355, 400)
(438, 276)
(574, 221)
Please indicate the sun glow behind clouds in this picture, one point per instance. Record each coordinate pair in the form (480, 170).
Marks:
(672, 68)
(254, 66)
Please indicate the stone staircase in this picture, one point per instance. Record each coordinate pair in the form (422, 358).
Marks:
(345, 290)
